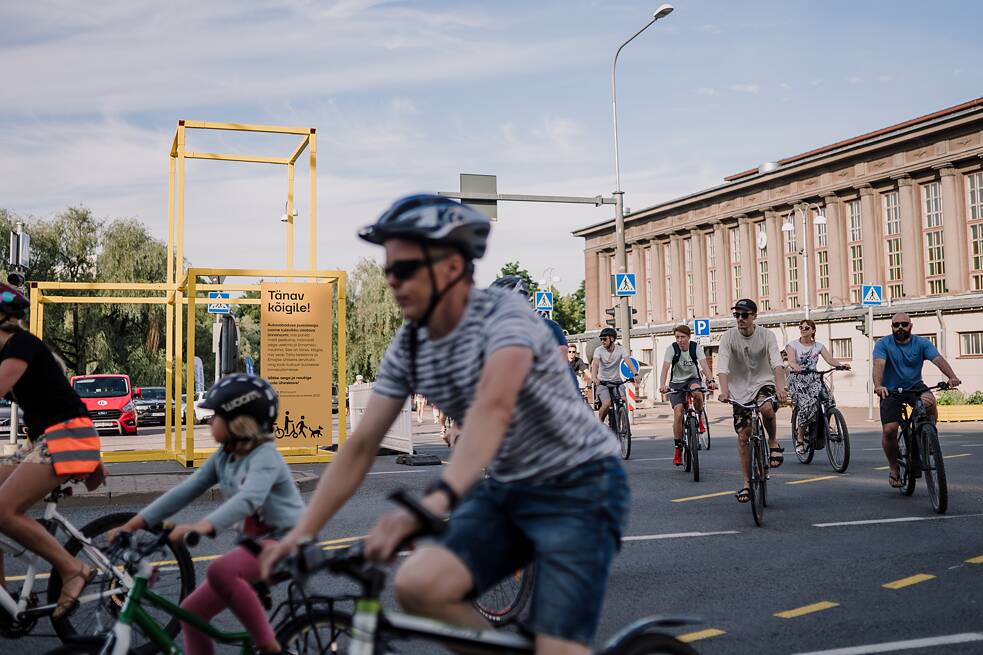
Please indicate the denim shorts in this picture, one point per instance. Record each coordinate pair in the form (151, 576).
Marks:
(572, 522)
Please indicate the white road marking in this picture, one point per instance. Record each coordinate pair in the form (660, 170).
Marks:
(652, 459)
(971, 445)
(892, 646)
(902, 519)
(877, 449)
(678, 535)
(396, 472)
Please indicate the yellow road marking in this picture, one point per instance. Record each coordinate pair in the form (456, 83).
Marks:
(700, 634)
(959, 455)
(808, 480)
(907, 582)
(713, 495)
(806, 609)
(975, 560)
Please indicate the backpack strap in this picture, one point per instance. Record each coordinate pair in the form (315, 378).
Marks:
(677, 353)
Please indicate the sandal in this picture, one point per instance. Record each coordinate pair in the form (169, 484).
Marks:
(68, 603)
(744, 495)
(774, 461)
(894, 480)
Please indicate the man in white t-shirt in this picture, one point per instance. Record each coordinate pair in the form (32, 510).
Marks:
(605, 366)
(685, 368)
(751, 370)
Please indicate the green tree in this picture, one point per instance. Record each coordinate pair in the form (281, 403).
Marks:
(514, 268)
(373, 318)
(570, 310)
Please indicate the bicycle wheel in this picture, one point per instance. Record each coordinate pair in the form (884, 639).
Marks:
(934, 468)
(904, 463)
(705, 435)
(756, 485)
(653, 643)
(624, 432)
(837, 440)
(322, 631)
(504, 602)
(176, 579)
(808, 448)
(693, 446)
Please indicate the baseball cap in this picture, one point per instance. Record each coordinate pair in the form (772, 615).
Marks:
(746, 305)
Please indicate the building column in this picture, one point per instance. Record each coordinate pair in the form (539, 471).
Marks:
(637, 266)
(702, 306)
(749, 263)
(912, 249)
(954, 231)
(591, 291)
(836, 238)
(776, 260)
(661, 311)
(806, 243)
(873, 242)
(678, 286)
(725, 297)
(603, 285)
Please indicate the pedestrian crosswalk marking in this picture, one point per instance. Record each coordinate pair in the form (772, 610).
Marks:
(544, 301)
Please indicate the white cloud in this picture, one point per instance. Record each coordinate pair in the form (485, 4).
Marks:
(885, 78)
(744, 88)
(855, 79)
(785, 85)
(707, 91)
(402, 105)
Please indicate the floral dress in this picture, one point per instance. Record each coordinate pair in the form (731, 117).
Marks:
(805, 388)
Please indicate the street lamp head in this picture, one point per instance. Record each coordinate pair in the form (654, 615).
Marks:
(788, 227)
(662, 11)
(767, 167)
(820, 219)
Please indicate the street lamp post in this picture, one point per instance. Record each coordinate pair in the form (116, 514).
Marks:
(789, 226)
(620, 259)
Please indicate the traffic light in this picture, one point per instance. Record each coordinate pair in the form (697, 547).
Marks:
(611, 311)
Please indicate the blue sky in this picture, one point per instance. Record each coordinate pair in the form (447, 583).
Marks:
(405, 95)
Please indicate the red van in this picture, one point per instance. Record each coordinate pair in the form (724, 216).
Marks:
(109, 400)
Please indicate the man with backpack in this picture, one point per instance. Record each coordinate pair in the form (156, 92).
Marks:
(685, 358)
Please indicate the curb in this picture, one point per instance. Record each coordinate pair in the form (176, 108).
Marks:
(306, 482)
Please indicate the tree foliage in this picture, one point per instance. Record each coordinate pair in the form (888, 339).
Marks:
(569, 310)
(373, 318)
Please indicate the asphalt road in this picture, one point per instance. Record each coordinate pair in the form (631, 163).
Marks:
(842, 560)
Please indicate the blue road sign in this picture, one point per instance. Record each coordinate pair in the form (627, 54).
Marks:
(625, 371)
(219, 307)
(701, 327)
(544, 301)
(624, 285)
(872, 295)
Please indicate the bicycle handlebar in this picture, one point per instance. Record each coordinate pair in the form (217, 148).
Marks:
(688, 390)
(826, 372)
(753, 404)
(941, 386)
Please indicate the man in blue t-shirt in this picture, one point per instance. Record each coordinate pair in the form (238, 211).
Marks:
(898, 366)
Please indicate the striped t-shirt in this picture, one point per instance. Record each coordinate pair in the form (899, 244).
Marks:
(552, 428)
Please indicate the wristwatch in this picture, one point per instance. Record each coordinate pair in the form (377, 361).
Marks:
(440, 485)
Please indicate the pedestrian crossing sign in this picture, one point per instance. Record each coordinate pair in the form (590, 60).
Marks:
(872, 294)
(624, 285)
(544, 301)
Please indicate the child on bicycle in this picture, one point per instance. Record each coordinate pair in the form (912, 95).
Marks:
(63, 444)
(261, 498)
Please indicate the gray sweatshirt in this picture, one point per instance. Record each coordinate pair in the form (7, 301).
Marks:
(258, 485)
(748, 362)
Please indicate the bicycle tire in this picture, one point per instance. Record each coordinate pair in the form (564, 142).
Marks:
(755, 484)
(837, 441)
(934, 469)
(86, 618)
(705, 435)
(300, 635)
(904, 463)
(693, 446)
(624, 432)
(808, 448)
(653, 643)
(503, 603)
(687, 459)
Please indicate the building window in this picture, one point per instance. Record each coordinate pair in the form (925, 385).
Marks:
(892, 232)
(931, 336)
(974, 185)
(970, 344)
(856, 263)
(650, 277)
(667, 269)
(763, 301)
(934, 242)
(792, 271)
(822, 266)
(842, 348)
(690, 282)
(711, 248)
(735, 263)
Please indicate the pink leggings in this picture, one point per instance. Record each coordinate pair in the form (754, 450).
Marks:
(228, 585)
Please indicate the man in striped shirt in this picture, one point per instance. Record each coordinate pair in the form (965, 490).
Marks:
(556, 491)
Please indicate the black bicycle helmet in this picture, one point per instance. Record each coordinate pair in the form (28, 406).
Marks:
(240, 394)
(432, 219)
(512, 283)
(13, 303)
(609, 332)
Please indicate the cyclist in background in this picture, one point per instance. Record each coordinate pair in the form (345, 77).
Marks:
(750, 369)
(803, 355)
(898, 362)
(556, 492)
(685, 359)
(605, 366)
(580, 370)
(261, 498)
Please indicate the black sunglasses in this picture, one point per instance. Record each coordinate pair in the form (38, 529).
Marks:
(900, 324)
(742, 314)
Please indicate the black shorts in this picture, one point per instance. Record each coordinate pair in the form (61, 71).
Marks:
(742, 417)
(891, 406)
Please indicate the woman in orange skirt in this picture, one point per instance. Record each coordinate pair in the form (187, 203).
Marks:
(64, 444)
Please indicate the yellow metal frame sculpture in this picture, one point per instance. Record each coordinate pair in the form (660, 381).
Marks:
(177, 293)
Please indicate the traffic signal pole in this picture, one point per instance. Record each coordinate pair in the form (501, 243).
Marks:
(623, 315)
